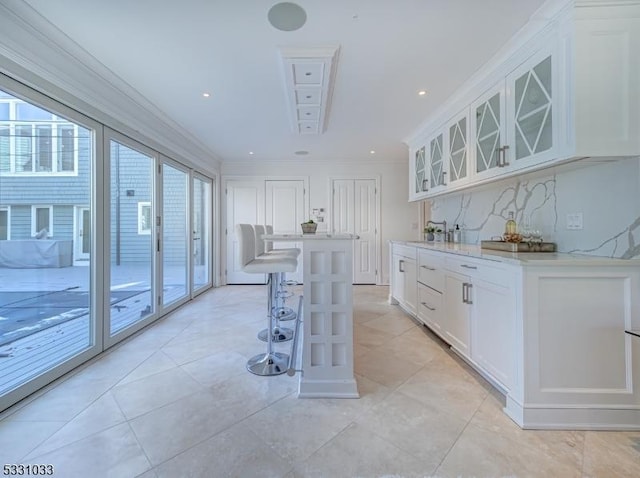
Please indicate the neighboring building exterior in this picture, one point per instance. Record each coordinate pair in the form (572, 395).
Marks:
(45, 188)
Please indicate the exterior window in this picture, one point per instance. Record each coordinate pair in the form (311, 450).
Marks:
(42, 221)
(35, 141)
(4, 223)
(5, 162)
(144, 218)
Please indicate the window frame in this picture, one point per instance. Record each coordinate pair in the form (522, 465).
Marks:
(34, 218)
(57, 125)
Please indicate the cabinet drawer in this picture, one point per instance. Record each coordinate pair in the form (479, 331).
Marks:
(431, 270)
(405, 251)
(429, 306)
(489, 271)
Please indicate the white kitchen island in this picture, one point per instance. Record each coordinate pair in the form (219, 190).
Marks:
(327, 322)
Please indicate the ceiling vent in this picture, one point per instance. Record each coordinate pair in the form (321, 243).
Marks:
(309, 74)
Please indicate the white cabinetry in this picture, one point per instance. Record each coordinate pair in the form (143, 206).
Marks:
(403, 288)
(549, 333)
(457, 154)
(569, 91)
(481, 314)
(578, 367)
(457, 304)
(430, 288)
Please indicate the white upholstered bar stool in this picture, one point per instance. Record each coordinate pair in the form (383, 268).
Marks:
(281, 312)
(265, 248)
(268, 245)
(269, 363)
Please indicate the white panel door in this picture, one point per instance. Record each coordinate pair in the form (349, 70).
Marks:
(285, 212)
(354, 211)
(245, 205)
(343, 206)
(364, 252)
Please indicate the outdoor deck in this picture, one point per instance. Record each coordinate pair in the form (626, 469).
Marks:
(54, 337)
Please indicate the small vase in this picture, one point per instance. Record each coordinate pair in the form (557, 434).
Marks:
(428, 237)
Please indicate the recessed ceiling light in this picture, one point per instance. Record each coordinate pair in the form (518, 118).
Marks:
(287, 16)
(302, 152)
(206, 95)
(372, 152)
(422, 92)
(250, 152)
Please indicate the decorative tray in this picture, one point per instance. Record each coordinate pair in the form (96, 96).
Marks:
(519, 246)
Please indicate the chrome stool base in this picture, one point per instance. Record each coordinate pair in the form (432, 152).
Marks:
(275, 363)
(285, 313)
(280, 334)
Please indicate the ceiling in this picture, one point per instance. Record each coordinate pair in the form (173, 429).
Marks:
(172, 52)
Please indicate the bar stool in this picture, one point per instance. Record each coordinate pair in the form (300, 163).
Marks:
(268, 245)
(282, 312)
(269, 363)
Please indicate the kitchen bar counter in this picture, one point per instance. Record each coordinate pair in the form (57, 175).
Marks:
(519, 258)
(327, 323)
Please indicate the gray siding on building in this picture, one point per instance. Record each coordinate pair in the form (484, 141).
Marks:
(131, 183)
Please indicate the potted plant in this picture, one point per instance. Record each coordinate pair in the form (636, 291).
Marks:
(428, 233)
(309, 227)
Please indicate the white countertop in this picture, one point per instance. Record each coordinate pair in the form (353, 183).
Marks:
(308, 237)
(520, 258)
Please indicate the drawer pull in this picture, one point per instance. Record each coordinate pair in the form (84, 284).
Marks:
(430, 308)
(400, 264)
(469, 267)
(466, 292)
(428, 268)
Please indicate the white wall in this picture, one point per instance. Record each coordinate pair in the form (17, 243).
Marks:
(607, 194)
(397, 215)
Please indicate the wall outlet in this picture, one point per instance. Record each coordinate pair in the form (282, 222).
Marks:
(574, 220)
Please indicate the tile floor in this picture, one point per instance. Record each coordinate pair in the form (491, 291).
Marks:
(175, 401)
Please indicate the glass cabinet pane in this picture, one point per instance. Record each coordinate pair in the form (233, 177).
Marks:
(458, 150)
(437, 176)
(533, 100)
(488, 134)
(421, 170)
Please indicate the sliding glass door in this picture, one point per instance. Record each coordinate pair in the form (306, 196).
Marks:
(48, 300)
(99, 236)
(175, 233)
(201, 227)
(132, 233)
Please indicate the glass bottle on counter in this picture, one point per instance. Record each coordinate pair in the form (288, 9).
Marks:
(510, 227)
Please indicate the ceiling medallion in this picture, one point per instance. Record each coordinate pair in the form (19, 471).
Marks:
(287, 16)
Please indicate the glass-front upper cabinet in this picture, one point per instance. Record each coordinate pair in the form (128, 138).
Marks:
(436, 163)
(458, 149)
(531, 110)
(421, 182)
(489, 132)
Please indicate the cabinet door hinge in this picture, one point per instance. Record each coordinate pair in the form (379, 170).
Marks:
(159, 168)
(159, 300)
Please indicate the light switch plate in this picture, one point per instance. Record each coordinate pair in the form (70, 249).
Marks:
(574, 220)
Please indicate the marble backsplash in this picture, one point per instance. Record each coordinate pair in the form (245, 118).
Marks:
(607, 194)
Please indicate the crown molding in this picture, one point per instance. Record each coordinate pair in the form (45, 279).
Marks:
(34, 52)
